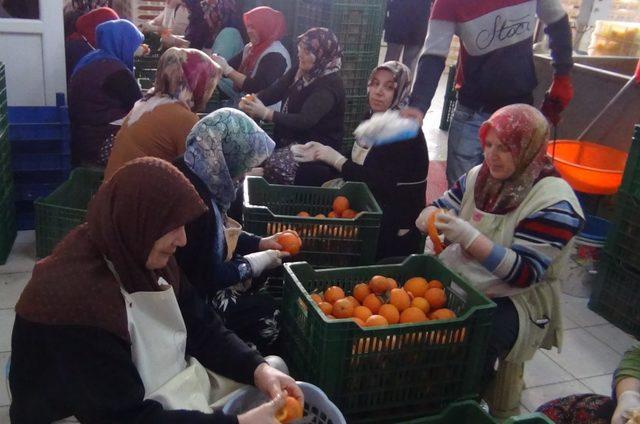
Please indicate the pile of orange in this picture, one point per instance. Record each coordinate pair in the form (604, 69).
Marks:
(341, 208)
(381, 302)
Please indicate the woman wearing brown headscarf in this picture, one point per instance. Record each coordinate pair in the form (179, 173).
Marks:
(159, 123)
(107, 330)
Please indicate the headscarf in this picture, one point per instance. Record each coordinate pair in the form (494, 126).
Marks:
(323, 44)
(117, 40)
(87, 23)
(525, 131)
(222, 147)
(183, 75)
(220, 14)
(402, 78)
(145, 199)
(270, 25)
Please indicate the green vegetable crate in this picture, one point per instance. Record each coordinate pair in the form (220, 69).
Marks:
(64, 209)
(326, 242)
(469, 412)
(386, 374)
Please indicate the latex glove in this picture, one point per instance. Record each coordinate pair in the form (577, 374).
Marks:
(423, 218)
(274, 383)
(262, 261)
(627, 402)
(457, 230)
(413, 113)
(254, 107)
(271, 242)
(142, 50)
(305, 152)
(226, 68)
(263, 414)
(146, 27)
(557, 98)
(330, 156)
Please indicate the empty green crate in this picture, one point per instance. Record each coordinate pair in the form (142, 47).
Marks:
(355, 71)
(469, 412)
(616, 294)
(357, 23)
(623, 241)
(386, 374)
(631, 179)
(64, 209)
(8, 225)
(270, 208)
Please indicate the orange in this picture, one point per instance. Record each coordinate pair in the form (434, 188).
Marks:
(412, 314)
(343, 308)
(291, 411)
(390, 313)
(416, 285)
(435, 284)
(359, 321)
(348, 214)
(290, 242)
(362, 312)
(372, 302)
(436, 297)
(303, 214)
(326, 307)
(442, 313)
(376, 320)
(320, 216)
(333, 214)
(393, 284)
(340, 204)
(421, 303)
(360, 291)
(316, 298)
(333, 293)
(433, 231)
(400, 299)
(353, 301)
(379, 284)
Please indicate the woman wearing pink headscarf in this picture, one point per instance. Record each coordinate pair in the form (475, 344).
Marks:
(513, 218)
(159, 123)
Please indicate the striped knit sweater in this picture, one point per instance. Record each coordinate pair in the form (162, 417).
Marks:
(538, 239)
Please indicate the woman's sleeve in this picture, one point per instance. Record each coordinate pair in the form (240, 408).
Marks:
(629, 366)
(123, 86)
(211, 343)
(315, 107)
(235, 61)
(105, 385)
(537, 242)
(452, 198)
(270, 68)
(276, 91)
(248, 243)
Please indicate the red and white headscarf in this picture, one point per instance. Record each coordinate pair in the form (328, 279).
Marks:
(525, 131)
(270, 25)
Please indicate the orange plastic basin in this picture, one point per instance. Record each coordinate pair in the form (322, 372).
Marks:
(588, 167)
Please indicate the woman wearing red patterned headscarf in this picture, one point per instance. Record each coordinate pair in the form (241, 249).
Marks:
(512, 219)
(159, 123)
(263, 60)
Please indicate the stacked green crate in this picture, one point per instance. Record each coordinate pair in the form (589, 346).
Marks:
(616, 294)
(358, 26)
(7, 207)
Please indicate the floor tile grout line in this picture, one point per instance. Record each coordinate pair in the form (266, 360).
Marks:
(569, 372)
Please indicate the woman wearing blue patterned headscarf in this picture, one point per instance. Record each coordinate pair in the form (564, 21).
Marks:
(220, 259)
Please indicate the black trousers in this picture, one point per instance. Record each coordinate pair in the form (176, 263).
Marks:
(504, 333)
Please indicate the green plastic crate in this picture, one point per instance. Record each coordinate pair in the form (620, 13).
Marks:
(64, 209)
(386, 374)
(623, 241)
(270, 208)
(145, 83)
(469, 412)
(8, 227)
(355, 71)
(616, 294)
(631, 178)
(450, 100)
(357, 23)
(355, 111)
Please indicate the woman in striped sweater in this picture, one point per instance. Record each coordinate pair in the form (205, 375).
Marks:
(514, 219)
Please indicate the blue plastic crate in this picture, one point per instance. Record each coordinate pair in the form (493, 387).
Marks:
(25, 215)
(39, 122)
(40, 162)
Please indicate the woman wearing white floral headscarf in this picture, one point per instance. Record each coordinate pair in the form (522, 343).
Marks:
(220, 259)
(396, 173)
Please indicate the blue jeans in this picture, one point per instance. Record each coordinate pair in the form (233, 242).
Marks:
(463, 147)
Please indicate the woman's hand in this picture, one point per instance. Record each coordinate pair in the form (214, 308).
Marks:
(271, 242)
(274, 383)
(253, 106)
(265, 413)
(330, 156)
(413, 113)
(423, 219)
(457, 230)
(262, 261)
(226, 68)
(628, 402)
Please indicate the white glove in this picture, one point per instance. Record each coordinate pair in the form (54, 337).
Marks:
(142, 50)
(146, 27)
(262, 261)
(628, 401)
(457, 230)
(226, 68)
(330, 156)
(305, 152)
(423, 219)
(254, 107)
